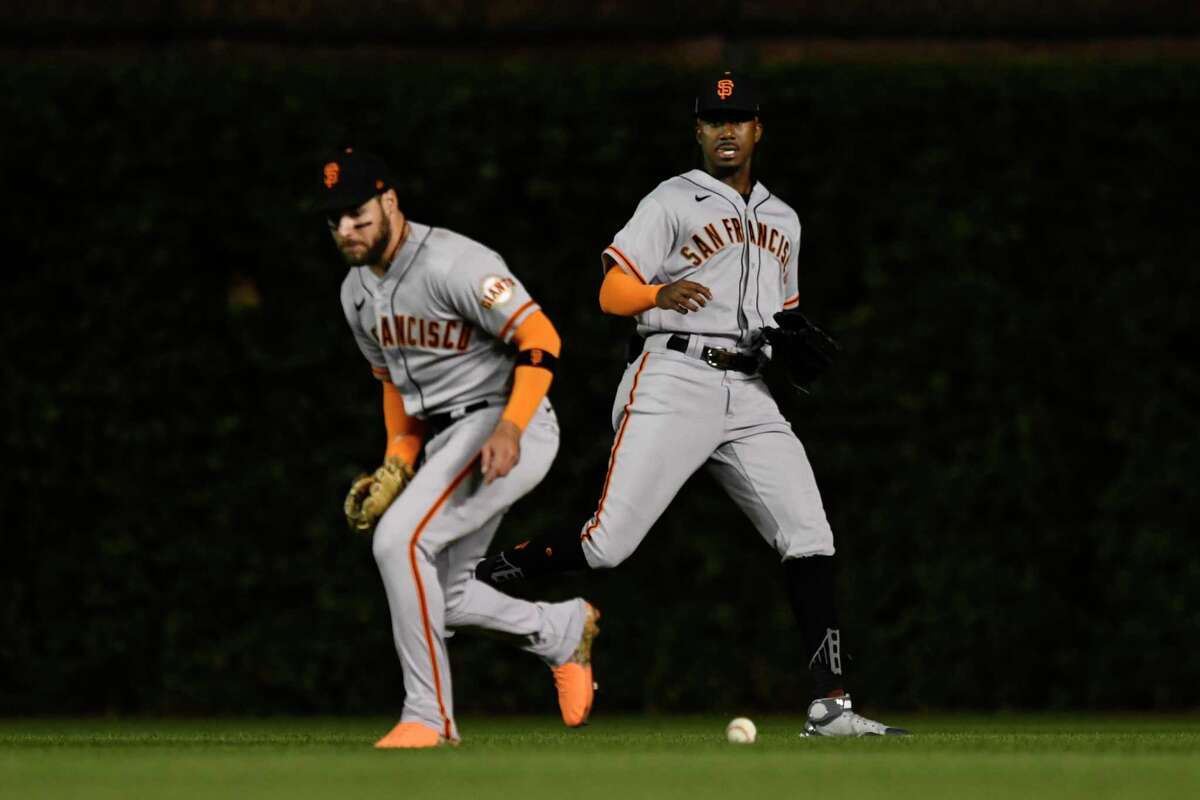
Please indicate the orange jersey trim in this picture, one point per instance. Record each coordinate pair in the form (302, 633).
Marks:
(612, 458)
(513, 318)
(624, 260)
(412, 557)
(381, 373)
(622, 295)
(792, 301)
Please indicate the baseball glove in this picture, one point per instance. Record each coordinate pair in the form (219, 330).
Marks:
(370, 495)
(806, 350)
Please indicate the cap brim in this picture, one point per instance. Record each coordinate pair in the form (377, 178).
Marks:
(717, 111)
(339, 200)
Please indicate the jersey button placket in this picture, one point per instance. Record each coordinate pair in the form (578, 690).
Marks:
(382, 305)
(746, 254)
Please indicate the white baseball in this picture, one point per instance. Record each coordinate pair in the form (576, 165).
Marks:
(741, 731)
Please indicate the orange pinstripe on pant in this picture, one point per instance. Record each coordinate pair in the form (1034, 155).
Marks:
(612, 458)
(412, 557)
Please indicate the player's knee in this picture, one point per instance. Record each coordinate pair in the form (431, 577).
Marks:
(390, 542)
(385, 546)
(455, 604)
(605, 555)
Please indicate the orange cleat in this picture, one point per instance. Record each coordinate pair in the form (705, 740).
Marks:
(410, 735)
(573, 680)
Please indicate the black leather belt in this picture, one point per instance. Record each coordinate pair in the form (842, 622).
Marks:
(716, 358)
(436, 423)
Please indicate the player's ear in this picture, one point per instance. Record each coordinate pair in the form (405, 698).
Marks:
(698, 139)
(757, 130)
(392, 206)
(389, 201)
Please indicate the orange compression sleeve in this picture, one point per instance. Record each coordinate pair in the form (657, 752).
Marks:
(405, 434)
(624, 295)
(530, 383)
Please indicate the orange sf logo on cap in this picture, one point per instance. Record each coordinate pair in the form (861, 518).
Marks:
(724, 88)
(332, 172)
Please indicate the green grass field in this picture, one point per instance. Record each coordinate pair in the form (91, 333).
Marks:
(615, 758)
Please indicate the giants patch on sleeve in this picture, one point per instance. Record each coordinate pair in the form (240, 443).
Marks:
(496, 290)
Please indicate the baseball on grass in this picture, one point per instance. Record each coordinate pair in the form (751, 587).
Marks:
(741, 731)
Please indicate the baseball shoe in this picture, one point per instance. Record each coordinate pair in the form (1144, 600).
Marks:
(410, 735)
(834, 716)
(573, 680)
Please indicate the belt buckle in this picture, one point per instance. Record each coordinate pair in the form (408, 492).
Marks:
(715, 358)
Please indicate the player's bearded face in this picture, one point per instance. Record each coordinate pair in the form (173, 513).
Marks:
(362, 234)
(727, 142)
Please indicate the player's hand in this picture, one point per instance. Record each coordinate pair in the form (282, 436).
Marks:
(683, 296)
(501, 451)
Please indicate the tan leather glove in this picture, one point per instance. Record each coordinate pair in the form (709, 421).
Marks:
(370, 495)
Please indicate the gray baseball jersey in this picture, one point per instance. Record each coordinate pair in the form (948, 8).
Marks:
(437, 322)
(673, 413)
(436, 325)
(694, 226)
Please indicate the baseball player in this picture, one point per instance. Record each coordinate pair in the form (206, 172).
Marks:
(465, 358)
(703, 264)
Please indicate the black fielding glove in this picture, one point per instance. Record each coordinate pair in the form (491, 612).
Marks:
(803, 348)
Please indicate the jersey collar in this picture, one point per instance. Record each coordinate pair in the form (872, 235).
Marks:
(757, 190)
(406, 254)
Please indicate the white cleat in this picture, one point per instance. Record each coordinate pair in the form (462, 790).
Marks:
(834, 716)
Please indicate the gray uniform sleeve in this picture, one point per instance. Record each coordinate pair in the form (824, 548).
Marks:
(482, 290)
(644, 244)
(366, 342)
(791, 280)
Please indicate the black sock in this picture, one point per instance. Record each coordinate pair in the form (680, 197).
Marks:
(556, 552)
(811, 590)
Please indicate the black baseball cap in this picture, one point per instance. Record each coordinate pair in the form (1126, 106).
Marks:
(727, 93)
(350, 178)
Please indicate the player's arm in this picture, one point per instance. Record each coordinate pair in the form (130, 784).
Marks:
(625, 296)
(538, 346)
(632, 266)
(405, 434)
(791, 284)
